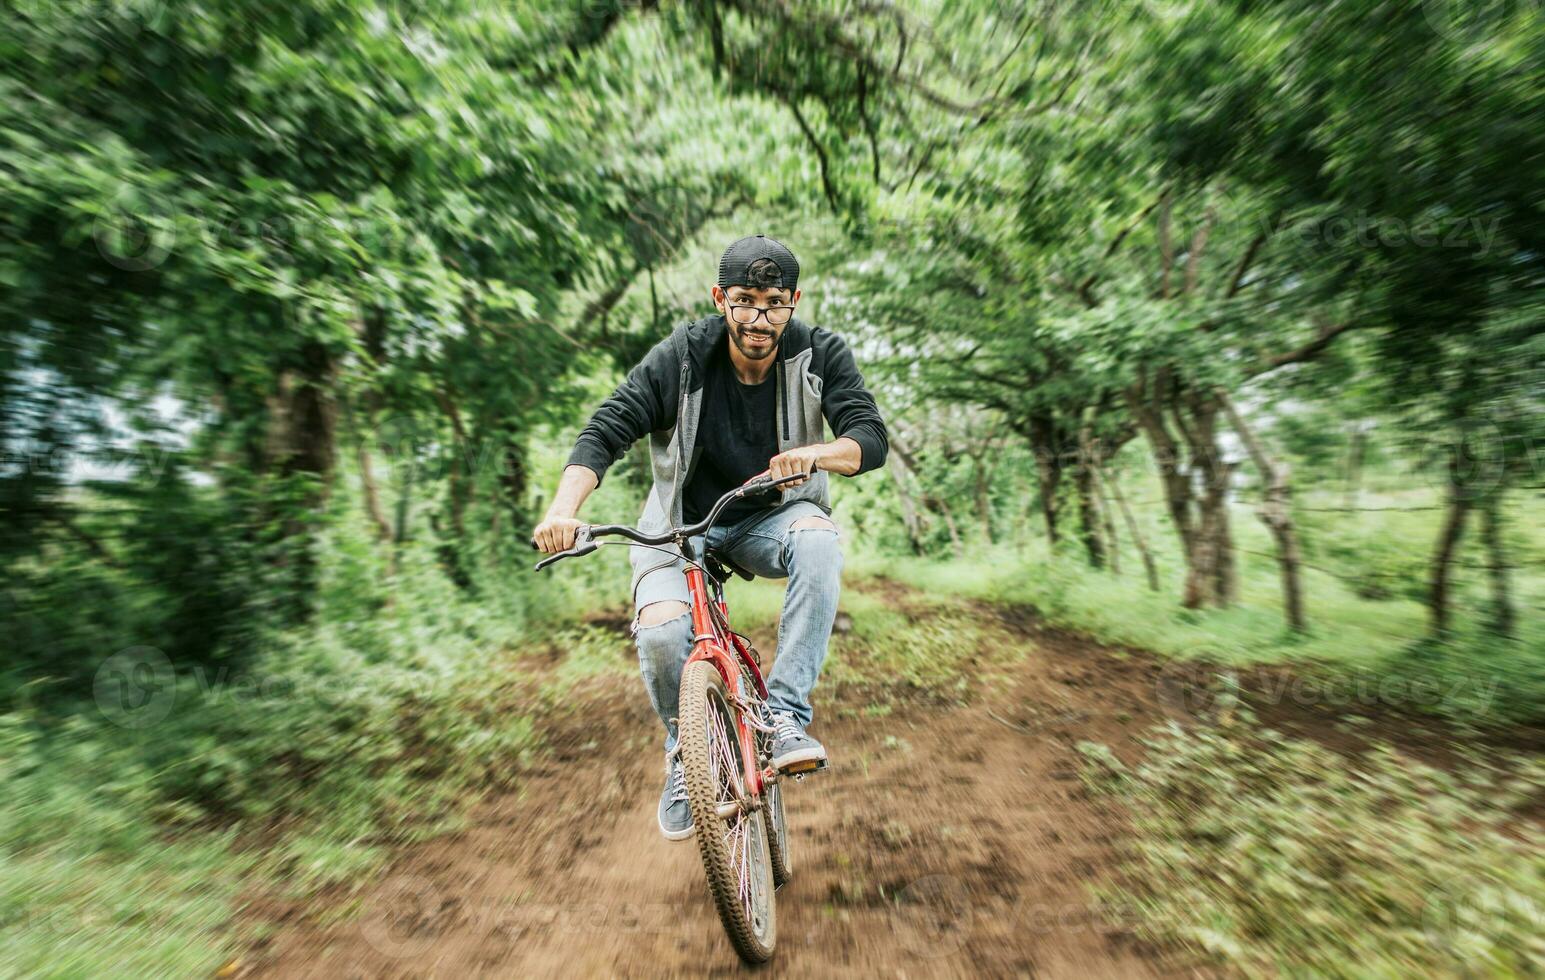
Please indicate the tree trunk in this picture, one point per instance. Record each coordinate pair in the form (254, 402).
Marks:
(1098, 530)
(302, 432)
(513, 479)
(1226, 576)
(301, 442)
(371, 330)
(1048, 470)
(902, 475)
(1202, 566)
(453, 543)
(983, 499)
(1088, 512)
(1211, 578)
(1496, 567)
(941, 507)
(458, 480)
(1147, 408)
(1442, 561)
(1113, 546)
(369, 492)
(909, 516)
(1137, 534)
(1276, 512)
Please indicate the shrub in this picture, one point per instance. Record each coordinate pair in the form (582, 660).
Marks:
(1276, 855)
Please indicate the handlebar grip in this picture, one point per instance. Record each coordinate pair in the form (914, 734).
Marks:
(770, 482)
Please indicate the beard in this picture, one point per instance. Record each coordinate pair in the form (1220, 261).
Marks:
(745, 338)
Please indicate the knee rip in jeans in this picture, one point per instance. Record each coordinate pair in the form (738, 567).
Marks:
(806, 525)
(659, 613)
(813, 524)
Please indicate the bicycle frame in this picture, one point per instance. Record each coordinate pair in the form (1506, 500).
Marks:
(712, 642)
(712, 638)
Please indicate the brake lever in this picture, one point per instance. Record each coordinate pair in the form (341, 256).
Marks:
(574, 552)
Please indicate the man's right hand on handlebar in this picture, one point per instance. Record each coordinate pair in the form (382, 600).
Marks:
(555, 534)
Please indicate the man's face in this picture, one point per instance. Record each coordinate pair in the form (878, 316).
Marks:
(759, 338)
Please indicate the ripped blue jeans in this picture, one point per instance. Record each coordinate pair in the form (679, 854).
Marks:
(767, 545)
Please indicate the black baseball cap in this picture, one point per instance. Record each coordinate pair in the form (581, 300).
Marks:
(737, 260)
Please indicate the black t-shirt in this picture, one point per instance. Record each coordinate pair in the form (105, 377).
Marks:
(736, 436)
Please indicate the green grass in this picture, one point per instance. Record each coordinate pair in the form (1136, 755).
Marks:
(155, 911)
(1123, 610)
(886, 656)
(889, 659)
(1485, 678)
(1275, 856)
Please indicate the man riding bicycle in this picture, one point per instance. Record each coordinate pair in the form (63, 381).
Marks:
(723, 400)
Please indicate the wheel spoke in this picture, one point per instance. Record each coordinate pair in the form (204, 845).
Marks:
(722, 759)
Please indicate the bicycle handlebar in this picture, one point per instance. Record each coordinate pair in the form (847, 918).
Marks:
(584, 542)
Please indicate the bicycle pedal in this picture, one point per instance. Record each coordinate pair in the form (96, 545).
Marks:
(804, 768)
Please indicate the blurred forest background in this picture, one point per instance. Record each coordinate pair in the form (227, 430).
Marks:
(1212, 328)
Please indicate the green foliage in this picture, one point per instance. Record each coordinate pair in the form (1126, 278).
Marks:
(1276, 855)
(1477, 676)
(895, 657)
(304, 305)
(380, 724)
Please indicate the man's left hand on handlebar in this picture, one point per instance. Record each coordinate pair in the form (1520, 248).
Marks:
(805, 460)
(555, 534)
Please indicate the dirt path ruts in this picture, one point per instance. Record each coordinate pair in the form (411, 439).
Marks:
(944, 842)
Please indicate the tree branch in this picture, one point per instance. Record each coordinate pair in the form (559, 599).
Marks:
(820, 151)
(1085, 288)
(1198, 246)
(1245, 261)
(863, 115)
(1309, 351)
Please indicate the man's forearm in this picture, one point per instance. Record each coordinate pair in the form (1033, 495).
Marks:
(576, 484)
(845, 456)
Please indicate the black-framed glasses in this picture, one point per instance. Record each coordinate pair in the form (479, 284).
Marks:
(746, 315)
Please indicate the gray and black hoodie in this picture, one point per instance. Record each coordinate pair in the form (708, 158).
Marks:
(818, 384)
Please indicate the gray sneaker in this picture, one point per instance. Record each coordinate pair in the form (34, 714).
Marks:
(793, 750)
(674, 814)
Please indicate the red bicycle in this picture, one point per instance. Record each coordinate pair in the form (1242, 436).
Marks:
(725, 730)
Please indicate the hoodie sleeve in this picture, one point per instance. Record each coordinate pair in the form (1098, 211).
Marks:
(849, 408)
(645, 402)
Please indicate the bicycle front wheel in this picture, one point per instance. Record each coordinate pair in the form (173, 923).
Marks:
(777, 835)
(734, 847)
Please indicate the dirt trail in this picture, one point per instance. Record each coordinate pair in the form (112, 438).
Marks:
(944, 842)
